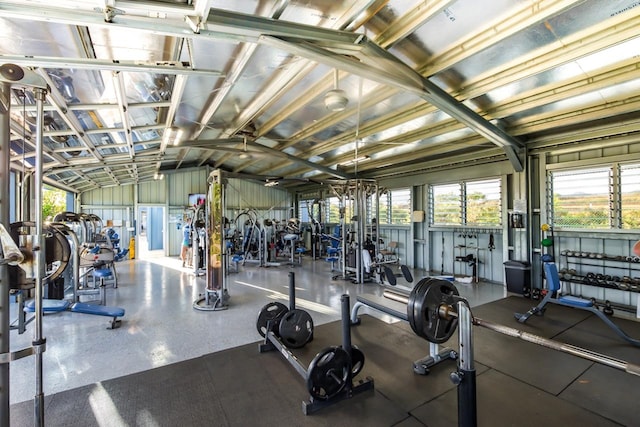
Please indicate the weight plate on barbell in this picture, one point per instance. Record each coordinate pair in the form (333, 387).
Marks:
(424, 317)
(410, 305)
(328, 373)
(273, 311)
(296, 328)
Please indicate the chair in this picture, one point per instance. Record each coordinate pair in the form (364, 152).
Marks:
(553, 284)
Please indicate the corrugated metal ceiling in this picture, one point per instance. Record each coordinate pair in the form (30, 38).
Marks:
(430, 84)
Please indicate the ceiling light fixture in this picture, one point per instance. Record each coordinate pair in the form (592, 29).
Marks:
(354, 161)
(271, 183)
(244, 155)
(336, 99)
(172, 136)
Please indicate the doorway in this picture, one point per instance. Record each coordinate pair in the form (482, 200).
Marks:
(150, 232)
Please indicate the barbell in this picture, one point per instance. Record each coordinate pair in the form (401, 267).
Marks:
(431, 310)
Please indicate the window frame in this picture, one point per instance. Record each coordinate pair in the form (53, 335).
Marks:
(618, 198)
(463, 200)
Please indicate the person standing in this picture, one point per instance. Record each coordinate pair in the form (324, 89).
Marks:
(186, 243)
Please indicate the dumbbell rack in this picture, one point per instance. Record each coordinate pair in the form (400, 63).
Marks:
(329, 378)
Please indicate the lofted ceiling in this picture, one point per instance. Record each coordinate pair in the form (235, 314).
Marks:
(144, 88)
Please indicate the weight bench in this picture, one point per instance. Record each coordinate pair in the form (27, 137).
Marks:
(420, 367)
(100, 310)
(553, 284)
(57, 306)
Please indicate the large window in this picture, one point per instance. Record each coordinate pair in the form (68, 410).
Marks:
(483, 207)
(600, 198)
(446, 204)
(581, 198)
(395, 207)
(630, 196)
(472, 203)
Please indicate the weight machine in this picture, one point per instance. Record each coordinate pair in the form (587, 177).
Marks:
(316, 229)
(360, 244)
(198, 237)
(12, 75)
(216, 293)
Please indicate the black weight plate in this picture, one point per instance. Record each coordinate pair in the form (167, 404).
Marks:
(357, 361)
(272, 311)
(328, 373)
(418, 290)
(425, 302)
(296, 328)
(417, 312)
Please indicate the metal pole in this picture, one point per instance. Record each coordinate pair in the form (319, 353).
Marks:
(4, 269)
(560, 346)
(346, 325)
(287, 354)
(39, 340)
(292, 290)
(466, 375)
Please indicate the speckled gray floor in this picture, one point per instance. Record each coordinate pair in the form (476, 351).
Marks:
(161, 327)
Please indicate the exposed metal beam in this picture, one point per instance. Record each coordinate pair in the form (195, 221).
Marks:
(162, 67)
(220, 24)
(398, 74)
(121, 96)
(208, 144)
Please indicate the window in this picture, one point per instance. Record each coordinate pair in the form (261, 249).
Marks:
(581, 198)
(601, 198)
(630, 196)
(472, 203)
(304, 210)
(395, 207)
(483, 206)
(446, 204)
(333, 210)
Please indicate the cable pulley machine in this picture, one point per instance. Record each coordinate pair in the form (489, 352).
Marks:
(12, 75)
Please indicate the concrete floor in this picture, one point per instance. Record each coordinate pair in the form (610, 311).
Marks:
(161, 327)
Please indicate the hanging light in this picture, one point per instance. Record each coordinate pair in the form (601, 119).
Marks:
(336, 99)
(244, 155)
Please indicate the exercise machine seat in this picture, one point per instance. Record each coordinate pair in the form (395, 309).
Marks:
(575, 301)
(102, 273)
(48, 305)
(553, 285)
(98, 310)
